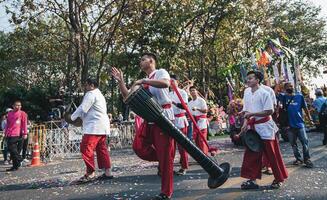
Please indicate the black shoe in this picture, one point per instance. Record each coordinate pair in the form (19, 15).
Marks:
(105, 177)
(12, 169)
(161, 196)
(324, 142)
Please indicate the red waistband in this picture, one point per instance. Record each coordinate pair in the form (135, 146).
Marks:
(252, 121)
(180, 115)
(166, 106)
(199, 117)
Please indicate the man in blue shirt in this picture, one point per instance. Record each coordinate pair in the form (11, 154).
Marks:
(317, 104)
(296, 128)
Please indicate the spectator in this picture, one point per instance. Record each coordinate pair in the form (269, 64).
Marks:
(16, 129)
(317, 104)
(296, 127)
(5, 146)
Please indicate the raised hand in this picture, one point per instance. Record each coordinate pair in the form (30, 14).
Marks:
(117, 74)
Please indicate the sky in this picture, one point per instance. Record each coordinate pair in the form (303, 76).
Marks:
(316, 82)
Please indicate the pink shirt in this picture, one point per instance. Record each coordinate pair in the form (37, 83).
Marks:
(16, 124)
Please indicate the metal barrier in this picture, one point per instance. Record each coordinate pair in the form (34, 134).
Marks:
(56, 142)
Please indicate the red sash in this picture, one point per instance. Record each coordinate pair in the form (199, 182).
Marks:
(197, 118)
(180, 115)
(166, 106)
(252, 121)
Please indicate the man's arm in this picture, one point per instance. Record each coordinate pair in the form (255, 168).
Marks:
(162, 83)
(87, 102)
(264, 113)
(118, 75)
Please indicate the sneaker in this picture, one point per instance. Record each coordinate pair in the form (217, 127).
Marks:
(308, 163)
(6, 162)
(298, 162)
(181, 172)
(25, 161)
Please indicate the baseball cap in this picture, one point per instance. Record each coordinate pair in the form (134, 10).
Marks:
(8, 110)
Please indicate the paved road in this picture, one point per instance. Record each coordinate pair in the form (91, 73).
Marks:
(137, 179)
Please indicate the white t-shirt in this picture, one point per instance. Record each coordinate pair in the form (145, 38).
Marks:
(93, 112)
(162, 94)
(180, 122)
(259, 101)
(271, 93)
(199, 103)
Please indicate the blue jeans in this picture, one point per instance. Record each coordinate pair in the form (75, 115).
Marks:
(190, 130)
(293, 134)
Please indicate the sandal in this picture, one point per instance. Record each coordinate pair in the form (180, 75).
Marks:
(275, 185)
(85, 179)
(161, 196)
(180, 172)
(248, 185)
(105, 177)
(268, 172)
(298, 162)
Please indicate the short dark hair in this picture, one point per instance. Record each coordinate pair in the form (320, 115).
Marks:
(91, 81)
(151, 55)
(17, 101)
(174, 76)
(287, 83)
(258, 75)
(193, 87)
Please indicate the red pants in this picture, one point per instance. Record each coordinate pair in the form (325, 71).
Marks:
(99, 144)
(183, 152)
(151, 144)
(252, 162)
(200, 142)
(265, 162)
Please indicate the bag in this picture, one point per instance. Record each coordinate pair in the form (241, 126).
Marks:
(283, 115)
(323, 113)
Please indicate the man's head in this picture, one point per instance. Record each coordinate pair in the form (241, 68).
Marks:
(289, 88)
(148, 60)
(17, 105)
(254, 78)
(174, 78)
(90, 84)
(319, 92)
(193, 91)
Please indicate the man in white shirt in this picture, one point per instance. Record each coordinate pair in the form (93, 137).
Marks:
(258, 108)
(152, 144)
(199, 110)
(93, 112)
(180, 122)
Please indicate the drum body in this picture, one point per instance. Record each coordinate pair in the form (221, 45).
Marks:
(78, 122)
(252, 140)
(143, 104)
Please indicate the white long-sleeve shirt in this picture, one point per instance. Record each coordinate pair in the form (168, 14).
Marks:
(93, 112)
(180, 122)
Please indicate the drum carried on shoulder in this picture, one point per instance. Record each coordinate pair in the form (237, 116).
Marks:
(143, 104)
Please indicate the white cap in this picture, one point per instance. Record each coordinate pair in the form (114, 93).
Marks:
(8, 110)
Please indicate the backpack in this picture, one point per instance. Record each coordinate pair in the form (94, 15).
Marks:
(323, 113)
(283, 114)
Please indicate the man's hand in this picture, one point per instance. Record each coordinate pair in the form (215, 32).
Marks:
(117, 74)
(24, 137)
(138, 82)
